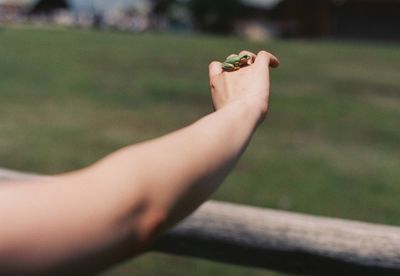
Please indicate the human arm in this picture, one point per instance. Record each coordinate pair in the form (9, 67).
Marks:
(86, 220)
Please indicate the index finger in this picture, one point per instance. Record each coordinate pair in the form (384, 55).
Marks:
(264, 58)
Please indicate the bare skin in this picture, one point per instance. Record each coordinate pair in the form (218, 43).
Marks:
(84, 221)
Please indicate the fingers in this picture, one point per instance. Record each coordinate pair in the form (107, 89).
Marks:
(264, 58)
(214, 69)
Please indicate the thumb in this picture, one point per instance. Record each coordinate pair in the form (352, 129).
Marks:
(264, 58)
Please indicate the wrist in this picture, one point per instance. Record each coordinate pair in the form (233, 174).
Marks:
(246, 112)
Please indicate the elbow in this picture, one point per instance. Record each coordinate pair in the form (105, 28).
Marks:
(151, 226)
(146, 221)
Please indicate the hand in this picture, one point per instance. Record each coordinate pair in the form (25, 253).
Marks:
(247, 86)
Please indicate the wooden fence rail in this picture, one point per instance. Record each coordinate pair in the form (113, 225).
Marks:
(278, 240)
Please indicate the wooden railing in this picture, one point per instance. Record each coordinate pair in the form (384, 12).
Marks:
(278, 240)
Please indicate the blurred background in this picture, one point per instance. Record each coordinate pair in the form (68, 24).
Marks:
(81, 78)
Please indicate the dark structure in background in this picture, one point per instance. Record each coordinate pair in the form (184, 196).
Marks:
(353, 19)
(215, 16)
(371, 19)
(305, 18)
(48, 7)
(348, 19)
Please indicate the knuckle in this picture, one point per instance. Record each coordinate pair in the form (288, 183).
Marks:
(264, 54)
(213, 63)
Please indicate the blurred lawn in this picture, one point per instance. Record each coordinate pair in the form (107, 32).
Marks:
(330, 145)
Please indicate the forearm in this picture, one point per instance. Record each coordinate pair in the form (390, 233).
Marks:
(177, 172)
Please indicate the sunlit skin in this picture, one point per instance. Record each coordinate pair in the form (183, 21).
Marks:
(84, 221)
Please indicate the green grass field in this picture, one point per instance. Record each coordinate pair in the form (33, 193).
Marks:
(330, 146)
